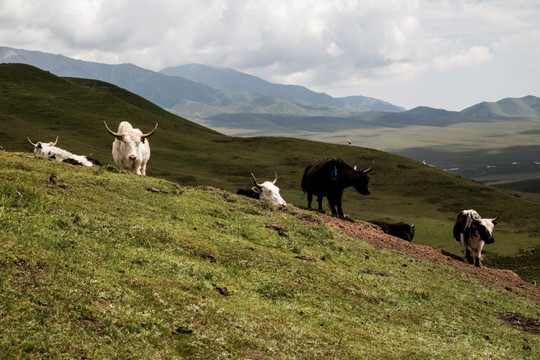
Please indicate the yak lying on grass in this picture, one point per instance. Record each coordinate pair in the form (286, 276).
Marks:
(401, 230)
(266, 191)
(51, 151)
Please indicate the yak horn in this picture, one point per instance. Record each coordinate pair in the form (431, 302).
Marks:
(144, 136)
(55, 141)
(30, 141)
(112, 132)
(275, 180)
(370, 168)
(496, 217)
(255, 181)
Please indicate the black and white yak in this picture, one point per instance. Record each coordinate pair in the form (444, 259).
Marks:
(471, 232)
(329, 177)
(51, 151)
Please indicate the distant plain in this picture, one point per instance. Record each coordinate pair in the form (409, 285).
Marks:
(504, 149)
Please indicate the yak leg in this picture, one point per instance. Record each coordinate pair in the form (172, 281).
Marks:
(143, 167)
(332, 203)
(309, 200)
(468, 256)
(476, 256)
(319, 200)
(338, 203)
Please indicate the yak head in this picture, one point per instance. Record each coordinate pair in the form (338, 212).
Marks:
(269, 192)
(475, 225)
(485, 228)
(360, 179)
(40, 147)
(130, 140)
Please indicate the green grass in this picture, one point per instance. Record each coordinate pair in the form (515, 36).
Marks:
(530, 186)
(42, 106)
(525, 263)
(104, 268)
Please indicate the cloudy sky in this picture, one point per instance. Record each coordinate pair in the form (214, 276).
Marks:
(447, 54)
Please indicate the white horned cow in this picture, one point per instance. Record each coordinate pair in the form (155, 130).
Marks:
(51, 151)
(269, 192)
(471, 232)
(131, 149)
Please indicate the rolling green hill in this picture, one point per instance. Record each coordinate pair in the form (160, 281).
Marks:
(42, 106)
(93, 265)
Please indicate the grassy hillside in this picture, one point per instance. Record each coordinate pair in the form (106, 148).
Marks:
(43, 106)
(200, 273)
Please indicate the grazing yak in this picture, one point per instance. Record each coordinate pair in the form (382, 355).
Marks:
(471, 232)
(267, 191)
(401, 230)
(131, 149)
(329, 177)
(50, 150)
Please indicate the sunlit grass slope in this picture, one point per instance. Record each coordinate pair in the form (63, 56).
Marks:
(96, 263)
(42, 106)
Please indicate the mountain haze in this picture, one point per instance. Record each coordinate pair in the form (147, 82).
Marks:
(163, 90)
(198, 91)
(193, 99)
(232, 80)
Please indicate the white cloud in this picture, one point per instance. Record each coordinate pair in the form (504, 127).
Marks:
(343, 47)
(463, 58)
(334, 50)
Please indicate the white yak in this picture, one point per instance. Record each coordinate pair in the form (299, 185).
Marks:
(131, 149)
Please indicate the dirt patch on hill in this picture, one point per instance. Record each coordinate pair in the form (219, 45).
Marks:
(504, 279)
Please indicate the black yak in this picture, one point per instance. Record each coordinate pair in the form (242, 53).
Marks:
(329, 177)
(401, 230)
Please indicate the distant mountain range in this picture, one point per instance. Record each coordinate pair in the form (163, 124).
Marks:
(226, 98)
(235, 81)
(528, 106)
(238, 92)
